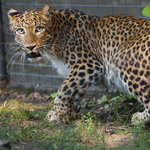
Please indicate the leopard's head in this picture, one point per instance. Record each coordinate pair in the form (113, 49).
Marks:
(32, 29)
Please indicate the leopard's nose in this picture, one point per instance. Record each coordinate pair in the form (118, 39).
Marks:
(31, 47)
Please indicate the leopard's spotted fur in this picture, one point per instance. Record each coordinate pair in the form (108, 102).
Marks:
(85, 49)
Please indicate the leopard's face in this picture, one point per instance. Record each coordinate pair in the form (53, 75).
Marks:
(32, 30)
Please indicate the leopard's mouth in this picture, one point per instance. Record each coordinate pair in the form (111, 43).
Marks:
(34, 56)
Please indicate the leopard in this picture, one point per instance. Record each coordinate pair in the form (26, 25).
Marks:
(87, 49)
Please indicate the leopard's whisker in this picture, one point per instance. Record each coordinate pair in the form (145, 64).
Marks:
(13, 59)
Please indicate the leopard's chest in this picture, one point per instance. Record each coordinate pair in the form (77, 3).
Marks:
(62, 68)
(113, 80)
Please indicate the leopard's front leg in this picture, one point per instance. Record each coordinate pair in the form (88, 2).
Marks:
(75, 84)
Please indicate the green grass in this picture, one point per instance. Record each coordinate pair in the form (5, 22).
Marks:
(23, 124)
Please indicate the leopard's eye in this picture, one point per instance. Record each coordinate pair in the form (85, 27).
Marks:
(20, 31)
(39, 29)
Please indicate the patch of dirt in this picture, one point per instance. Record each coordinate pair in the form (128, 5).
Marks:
(117, 139)
(113, 140)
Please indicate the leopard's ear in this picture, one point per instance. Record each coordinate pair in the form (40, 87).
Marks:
(12, 13)
(46, 11)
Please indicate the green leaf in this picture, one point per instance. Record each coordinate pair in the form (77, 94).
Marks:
(53, 95)
(119, 117)
(129, 96)
(113, 100)
(102, 99)
(83, 106)
(106, 106)
(116, 107)
(146, 11)
(92, 101)
(92, 105)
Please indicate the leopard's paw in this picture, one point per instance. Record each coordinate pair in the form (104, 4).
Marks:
(51, 116)
(137, 119)
(140, 118)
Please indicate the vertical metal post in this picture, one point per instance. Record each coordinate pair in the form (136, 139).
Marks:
(3, 72)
